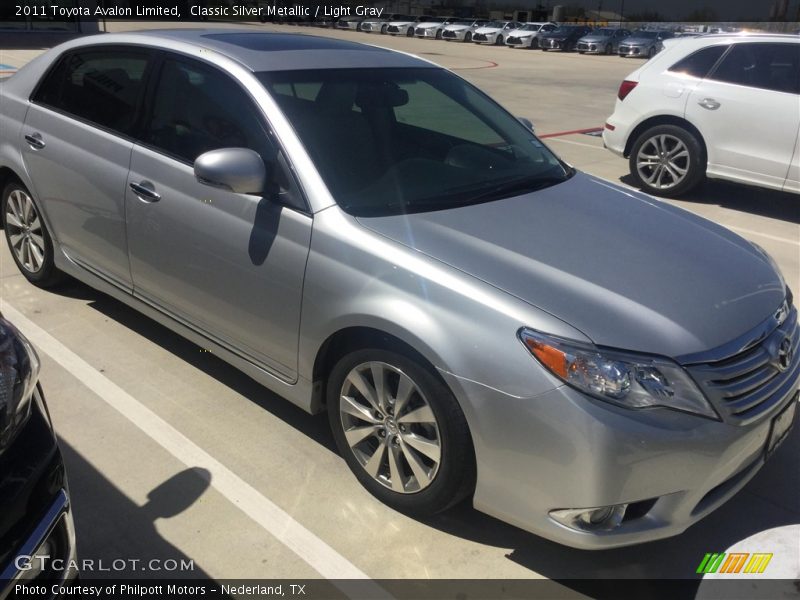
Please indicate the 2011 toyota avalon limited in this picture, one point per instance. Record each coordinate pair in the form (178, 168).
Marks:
(37, 537)
(365, 232)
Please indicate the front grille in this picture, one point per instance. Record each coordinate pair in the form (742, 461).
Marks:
(583, 46)
(624, 48)
(393, 29)
(513, 40)
(419, 31)
(479, 37)
(366, 27)
(450, 35)
(745, 386)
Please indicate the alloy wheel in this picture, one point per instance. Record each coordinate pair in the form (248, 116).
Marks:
(663, 161)
(24, 229)
(390, 427)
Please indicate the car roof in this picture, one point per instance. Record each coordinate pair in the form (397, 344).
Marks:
(264, 51)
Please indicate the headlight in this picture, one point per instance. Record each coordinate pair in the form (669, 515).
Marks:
(621, 378)
(19, 371)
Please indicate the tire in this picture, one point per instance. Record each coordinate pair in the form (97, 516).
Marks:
(383, 29)
(438, 34)
(685, 167)
(498, 41)
(427, 487)
(410, 32)
(608, 49)
(468, 37)
(28, 239)
(535, 43)
(651, 52)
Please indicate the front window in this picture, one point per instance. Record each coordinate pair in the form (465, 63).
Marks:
(392, 141)
(530, 27)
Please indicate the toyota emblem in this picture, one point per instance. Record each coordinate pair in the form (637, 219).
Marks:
(785, 354)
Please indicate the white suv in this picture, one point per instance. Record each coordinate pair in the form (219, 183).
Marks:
(725, 106)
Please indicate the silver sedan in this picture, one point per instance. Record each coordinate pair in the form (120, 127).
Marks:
(367, 234)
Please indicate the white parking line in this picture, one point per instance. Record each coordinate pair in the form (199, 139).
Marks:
(310, 548)
(795, 241)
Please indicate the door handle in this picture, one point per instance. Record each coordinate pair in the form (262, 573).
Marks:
(709, 103)
(145, 193)
(35, 140)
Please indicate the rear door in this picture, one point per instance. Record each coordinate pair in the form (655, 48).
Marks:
(77, 149)
(230, 265)
(748, 110)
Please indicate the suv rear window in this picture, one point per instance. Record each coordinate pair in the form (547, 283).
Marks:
(699, 63)
(770, 66)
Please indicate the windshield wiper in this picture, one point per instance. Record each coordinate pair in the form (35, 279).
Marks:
(504, 190)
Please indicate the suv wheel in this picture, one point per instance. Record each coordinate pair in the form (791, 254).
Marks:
(401, 431)
(28, 238)
(667, 160)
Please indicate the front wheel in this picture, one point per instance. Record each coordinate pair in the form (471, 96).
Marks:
(468, 36)
(383, 29)
(28, 239)
(438, 34)
(651, 53)
(667, 160)
(608, 49)
(535, 43)
(401, 431)
(410, 32)
(498, 40)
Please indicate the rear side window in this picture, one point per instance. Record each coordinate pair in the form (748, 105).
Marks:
(768, 66)
(700, 63)
(198, 108)
(99, 86)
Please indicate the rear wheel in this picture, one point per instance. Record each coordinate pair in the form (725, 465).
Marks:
(401, 431)
(667, 160)
(28, 238)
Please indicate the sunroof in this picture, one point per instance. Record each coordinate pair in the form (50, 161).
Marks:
(284, 41)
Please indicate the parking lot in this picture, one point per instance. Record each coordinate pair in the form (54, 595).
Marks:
(173, 454)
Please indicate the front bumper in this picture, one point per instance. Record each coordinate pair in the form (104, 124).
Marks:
(426, 32)
(455, 36)
(53, 537)
(591, 47)
(563, 450)
(551, 44)
(484, 38)
(624, 50)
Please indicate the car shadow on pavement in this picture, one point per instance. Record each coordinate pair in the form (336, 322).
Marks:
(315, 427)
(118, 539)
(743, 198)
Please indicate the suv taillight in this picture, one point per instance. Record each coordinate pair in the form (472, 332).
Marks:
(625, 88)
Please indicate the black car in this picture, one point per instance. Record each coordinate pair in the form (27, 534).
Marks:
(564, 38)
(37, 537)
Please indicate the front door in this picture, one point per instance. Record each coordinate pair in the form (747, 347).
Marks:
(231, 265)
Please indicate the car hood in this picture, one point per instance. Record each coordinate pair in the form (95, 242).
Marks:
(632, 41)
(552, 34)
(595, 38)
(457, 27)
(429, 25)
(488, 29)
(627, 270)
(401, 23)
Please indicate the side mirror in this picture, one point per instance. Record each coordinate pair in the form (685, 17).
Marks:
(239, 170)
(526, 122)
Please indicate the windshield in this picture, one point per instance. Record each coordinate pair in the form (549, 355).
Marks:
(435, 20)
(645, 34)
(604, 32)
(565, 29)
(462, 22)
(495, 24)
(531, 27)
(398, 140)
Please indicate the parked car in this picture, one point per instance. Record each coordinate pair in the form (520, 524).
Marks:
(37, 536)
(406, 25)
(433, 27)
(731, 113)
(564, 38)
(527, 36)
(381, 24)
(643, 43)
(604, 40)
(478, 317)
(462, 29)
(494, 32)
(352, 23)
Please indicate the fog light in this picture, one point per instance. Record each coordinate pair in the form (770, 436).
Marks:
(603, 518)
